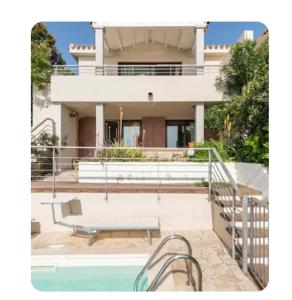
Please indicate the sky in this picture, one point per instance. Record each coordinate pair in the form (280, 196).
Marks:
(81, 33)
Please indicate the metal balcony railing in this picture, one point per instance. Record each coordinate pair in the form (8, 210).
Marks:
(136, 70)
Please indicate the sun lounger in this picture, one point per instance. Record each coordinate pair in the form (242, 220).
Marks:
(119, 224)
(106, 224)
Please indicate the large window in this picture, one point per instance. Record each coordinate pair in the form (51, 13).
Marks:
(179, 133)
(131, 132)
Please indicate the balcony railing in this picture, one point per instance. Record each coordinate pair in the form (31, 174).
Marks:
(136, 70)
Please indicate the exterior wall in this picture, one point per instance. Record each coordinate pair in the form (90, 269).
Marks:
(154, 131)
(175, 211)
(66, 127)
(69, 136)
(250, 174)
(43, 108)
(89, 88)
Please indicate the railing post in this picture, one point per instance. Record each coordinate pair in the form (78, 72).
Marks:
(210, 174)
(244, 232)
(158, 181)
(106, 187)
(54, 172)
(233, 222)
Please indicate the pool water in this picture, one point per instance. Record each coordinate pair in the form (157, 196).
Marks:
(96, 278)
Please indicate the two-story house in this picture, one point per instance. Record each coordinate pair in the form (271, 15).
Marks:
(148, 84)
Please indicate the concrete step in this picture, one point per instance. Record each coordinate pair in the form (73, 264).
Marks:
(257, 232)
(238, 216)
(257, 251)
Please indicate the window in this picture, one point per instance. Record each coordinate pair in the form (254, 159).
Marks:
(131, 132)
(179, 133)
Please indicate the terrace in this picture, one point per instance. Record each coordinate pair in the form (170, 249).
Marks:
(191, 191)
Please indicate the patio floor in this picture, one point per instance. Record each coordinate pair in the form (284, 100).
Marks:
(220, 272)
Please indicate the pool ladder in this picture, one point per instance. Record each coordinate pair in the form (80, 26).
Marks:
(188, 258)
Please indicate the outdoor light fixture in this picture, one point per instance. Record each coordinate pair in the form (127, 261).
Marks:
(150, 96)
(72, 114)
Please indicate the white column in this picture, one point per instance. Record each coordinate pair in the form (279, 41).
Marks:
(199, 123)
(99, 109)
(99, 47)
(199, 49)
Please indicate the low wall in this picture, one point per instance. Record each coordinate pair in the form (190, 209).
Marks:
(142, 172)
(175, 211)
(252, 175)
(249, 174)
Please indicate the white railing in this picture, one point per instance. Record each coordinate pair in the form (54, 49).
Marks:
(136, 70)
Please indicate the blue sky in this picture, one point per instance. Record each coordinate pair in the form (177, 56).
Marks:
(81, 33)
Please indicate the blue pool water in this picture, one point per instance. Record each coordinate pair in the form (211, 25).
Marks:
(105, 278)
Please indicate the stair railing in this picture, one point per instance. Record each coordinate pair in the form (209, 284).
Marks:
(41, 123)
(223, 181)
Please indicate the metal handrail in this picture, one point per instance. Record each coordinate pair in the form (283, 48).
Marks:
(227, 173)
(42, 122)
(157, 250)
(173, 258)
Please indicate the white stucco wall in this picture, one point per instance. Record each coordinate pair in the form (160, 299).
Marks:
(252, 175)
(43, 108)
(89, 88)
(175, 211)
(66, 127)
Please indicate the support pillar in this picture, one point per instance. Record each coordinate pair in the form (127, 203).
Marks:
(99, 124)
(99, 48)
(199, 50)
(199, 123)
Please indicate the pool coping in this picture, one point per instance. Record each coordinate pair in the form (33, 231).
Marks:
(89, 260)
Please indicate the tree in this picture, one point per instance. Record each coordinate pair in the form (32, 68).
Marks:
(44, 54)
(245, 80)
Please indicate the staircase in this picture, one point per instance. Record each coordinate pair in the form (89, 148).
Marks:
(247, 218)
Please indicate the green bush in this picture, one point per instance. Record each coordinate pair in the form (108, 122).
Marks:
(120, 153)
(42, 163)
(225, 150)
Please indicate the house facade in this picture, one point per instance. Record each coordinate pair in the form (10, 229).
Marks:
(146, 85)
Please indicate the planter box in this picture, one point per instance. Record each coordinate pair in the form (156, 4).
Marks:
(142, 172)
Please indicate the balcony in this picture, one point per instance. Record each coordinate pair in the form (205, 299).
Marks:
(134, 83)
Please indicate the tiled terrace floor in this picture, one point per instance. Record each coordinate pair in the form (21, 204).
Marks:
(220, 272)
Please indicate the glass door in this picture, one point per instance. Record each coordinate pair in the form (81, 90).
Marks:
(131, 133)
(179, 133)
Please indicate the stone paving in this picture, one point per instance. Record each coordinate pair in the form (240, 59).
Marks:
(220, 272)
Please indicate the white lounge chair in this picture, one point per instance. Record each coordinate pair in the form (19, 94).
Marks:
(119, 224)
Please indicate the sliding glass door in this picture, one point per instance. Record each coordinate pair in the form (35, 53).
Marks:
(130, 133)
(179, 133)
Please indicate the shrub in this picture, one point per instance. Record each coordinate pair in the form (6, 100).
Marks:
(120, 153)
(225, 150)
(41, 162)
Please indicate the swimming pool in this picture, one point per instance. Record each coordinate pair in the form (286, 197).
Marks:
(87, 273)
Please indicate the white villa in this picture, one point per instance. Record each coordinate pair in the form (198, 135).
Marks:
(147, 86)
(159, 78)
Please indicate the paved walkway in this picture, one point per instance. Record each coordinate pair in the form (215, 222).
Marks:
(220, 272)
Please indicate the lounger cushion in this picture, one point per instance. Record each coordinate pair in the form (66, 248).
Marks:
(124, 223)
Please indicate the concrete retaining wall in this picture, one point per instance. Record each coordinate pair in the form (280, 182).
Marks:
(175, 211)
